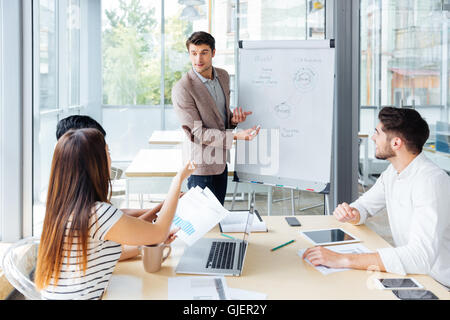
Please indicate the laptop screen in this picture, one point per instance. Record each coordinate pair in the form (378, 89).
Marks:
(243, 247)
(250, 217)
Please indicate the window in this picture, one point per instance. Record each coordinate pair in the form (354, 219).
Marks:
(131, 47)
(10, 121)
(48, 64)
(141, 56)
(1, 116)
(404, 63)
(144, 55)
(282, 20)
(57, 77)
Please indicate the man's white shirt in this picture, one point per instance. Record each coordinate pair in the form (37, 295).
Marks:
(418, 207)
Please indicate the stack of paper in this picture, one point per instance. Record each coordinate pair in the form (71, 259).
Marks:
(237, 220)
(198, 211)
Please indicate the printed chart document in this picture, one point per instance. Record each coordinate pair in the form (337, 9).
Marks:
(198, 288)
(343, 248)
(236, 221)
(198, 211)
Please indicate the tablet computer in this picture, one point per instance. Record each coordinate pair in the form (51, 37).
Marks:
(322, 237)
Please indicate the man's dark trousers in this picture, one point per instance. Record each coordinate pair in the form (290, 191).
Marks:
(216, 183)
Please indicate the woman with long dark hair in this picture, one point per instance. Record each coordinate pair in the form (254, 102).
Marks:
(83, 233)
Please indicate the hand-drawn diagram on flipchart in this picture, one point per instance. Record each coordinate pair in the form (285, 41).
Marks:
(289, 87)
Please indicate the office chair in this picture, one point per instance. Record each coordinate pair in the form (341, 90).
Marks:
(118, 186)
(19, 263)
(116, 173)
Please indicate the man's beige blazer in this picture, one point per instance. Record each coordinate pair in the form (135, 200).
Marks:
(208, 139)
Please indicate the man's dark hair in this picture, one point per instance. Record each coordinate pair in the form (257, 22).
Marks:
(407, 124)
(201, 37)
(77, 122)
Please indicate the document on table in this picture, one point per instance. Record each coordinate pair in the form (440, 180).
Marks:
(239, 294)
(343, 248)
(198, 211)
(237, 220)
(198, 288)
(208, 288)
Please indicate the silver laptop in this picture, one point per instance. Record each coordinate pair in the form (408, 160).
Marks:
(217, 256)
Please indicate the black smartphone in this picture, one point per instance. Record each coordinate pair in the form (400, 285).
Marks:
(415, 294)
(398, 283)
(293, 222)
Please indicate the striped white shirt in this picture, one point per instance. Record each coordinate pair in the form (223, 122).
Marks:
(102, 257)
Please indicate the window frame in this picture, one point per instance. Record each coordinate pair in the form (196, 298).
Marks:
(28, 126)
(1, 117)
(31, 113)
(10, 122)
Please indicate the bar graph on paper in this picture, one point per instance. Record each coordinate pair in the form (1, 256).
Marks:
(198, 211)
(184, 225)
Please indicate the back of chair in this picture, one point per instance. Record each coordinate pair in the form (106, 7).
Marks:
(116, 173)
(19, 263)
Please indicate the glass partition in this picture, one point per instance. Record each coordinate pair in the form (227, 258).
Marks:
(404, 63)
(143, 54)
(1, 113)
(57, 79)
(282, 20)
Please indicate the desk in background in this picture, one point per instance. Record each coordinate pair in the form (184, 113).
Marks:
(152, 170)
(167, 137)
(442, 159)
(280, 274)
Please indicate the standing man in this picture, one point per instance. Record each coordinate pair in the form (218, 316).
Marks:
(201, 100)
(416, 194)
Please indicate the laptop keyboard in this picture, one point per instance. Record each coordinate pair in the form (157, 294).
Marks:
(221, 255)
